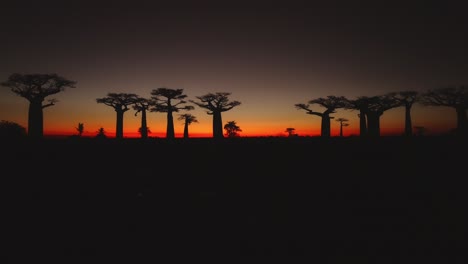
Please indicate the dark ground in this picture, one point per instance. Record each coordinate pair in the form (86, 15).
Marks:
(342, 200)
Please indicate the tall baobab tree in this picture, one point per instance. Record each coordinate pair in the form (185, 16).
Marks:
(232, 129)
(362, 105)
(142, 105)
(188, 120)
(120, 102)
(377, 106)
(454, 97)
(407, 99)
(342, 124)
(216, 103)
(168, 100)
(370, 111)
(330, 103)
(35, 88)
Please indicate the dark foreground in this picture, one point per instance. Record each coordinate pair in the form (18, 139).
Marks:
(346, 200)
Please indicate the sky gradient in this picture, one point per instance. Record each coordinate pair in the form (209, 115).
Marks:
(269, 57)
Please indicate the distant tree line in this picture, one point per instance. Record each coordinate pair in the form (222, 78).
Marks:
(371, 108)
(37, 87)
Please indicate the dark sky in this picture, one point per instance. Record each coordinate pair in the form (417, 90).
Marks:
(270, 56)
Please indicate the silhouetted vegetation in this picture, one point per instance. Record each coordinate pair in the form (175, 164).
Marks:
(188, 120)
(80, 129)
(216, 103)
(454, 97)
(370, 110)
(168, 101)
(407, 99)
(330, 103)
(120, 102)
(11, 130)
(232, 129)
(101, 133)
(35, 88)
(342, 124)
(142, 105)
(291, 131)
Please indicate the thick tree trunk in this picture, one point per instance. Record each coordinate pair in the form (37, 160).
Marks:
(326, 131)
(186, 130)
(408, 123)
(35, 119)
(373, 124)
(341, 129)
(119, 126)
(170, 125)
(462, 121)
(144, 127)
(217, 125)
(362, 124)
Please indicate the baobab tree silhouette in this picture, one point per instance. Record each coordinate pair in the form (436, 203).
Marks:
(407, 99)
(188, 120)
(168, 101)
(376, 108)
(35, 88)
(142, 105)
(342, 124)
(330, 103)
(216, 103)
(370, 111)
(362, 105)
(120, 102)
(454, 97)
(290, 131)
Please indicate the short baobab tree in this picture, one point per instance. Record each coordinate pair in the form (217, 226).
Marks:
(142, 105)
(216, 103)
(291, 131)
(342, 124)
(120, 102)
(35, 88)
(188, 120)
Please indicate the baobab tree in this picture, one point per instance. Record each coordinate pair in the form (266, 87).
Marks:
(168, 100)
(142, 105)
(290, 131)
(362, 105)
(120, 102)
(216, 103)
(342, 124)
(188, 120)
(407, 99)
(370, 111)
(454, 97)
(232, 129)
(376, 108)
(330, 103)
(35, 88)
